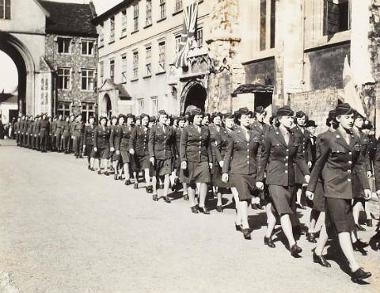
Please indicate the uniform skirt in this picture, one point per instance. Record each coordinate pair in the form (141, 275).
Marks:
(339, 217)
(163, 167)
(282, 198)
(196, 172)
(244, 184)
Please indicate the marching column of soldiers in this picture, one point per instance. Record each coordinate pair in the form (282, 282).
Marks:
(279, 167)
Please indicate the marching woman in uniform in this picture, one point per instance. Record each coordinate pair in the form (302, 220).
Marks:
(139, 149)
(196, 160)
(122, 145)
(281, 151)
(114, 138)
(219, 142)
(240, 168)
(102, 145)
(88, 143)
(339, 165)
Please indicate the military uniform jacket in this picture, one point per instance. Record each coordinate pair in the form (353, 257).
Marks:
(279, 159)
(339, 165)
(140, 141)
(115, 133)
(44, 127)
(89, 135)
(101, 137)
(240, 156)
(59, 128)
(122, 140)
(376, 164)
(161, 143)
(78, 129)
(195, 145)
(304, 143)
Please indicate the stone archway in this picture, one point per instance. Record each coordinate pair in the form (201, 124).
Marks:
(193, 94)
(21, 56)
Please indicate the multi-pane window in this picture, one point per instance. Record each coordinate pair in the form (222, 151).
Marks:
(161, 56)
(88, 77)
(162, 9)
(336, 16)
(64, 45)
(135, 64)
(267, 28)
(112, 29)
(101, 71)
(136, 17)
(148, 15)
(178, 5)
(64, 78)
(124, 22)
(112, 69)
(124, 67)
(199, 37)
(88, 47)
(148, 61)
(5, 9)
(63, 109)
(101, 36)
(177, 43)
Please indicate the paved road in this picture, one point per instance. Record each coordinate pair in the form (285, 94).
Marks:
(65, 229)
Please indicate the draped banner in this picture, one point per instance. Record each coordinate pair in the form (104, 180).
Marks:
(188, 35)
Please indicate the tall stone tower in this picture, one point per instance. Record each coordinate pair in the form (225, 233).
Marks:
(223, 46)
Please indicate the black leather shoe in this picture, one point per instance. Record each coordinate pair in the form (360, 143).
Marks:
(219, 209)
(127, 182)
(269, 242)
(311, 237)
(246, 234)
(238, 228)
(155, 197)
(194, 209)
(295, 250)
(204, 210)
(368, 222)
(360, 228)
(167, 199)
(360, 275)
(136, 186)
(186, 197)
(321, 260)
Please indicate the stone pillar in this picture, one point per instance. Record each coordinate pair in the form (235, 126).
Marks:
(223, 44)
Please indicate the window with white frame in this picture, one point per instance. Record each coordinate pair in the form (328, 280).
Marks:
(148, 61)
(5, 9)
(124, 67)
(199, 37)
(112, 29)
(178, 5)
(136, 17)
(88, 47)
(88, 78)
(135, 64)
(140, 106)
(64, 75)
(162, 9)
(148, 15)
(177, 43)
(101, 71)
(101, 36)
(112, 69)
(153, 106)
(64, 45)
(124, 22)
(161, 56)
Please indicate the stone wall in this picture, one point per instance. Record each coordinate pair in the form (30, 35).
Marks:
(76, 61)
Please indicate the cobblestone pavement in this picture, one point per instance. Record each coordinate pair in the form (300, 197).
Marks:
(65, 229)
